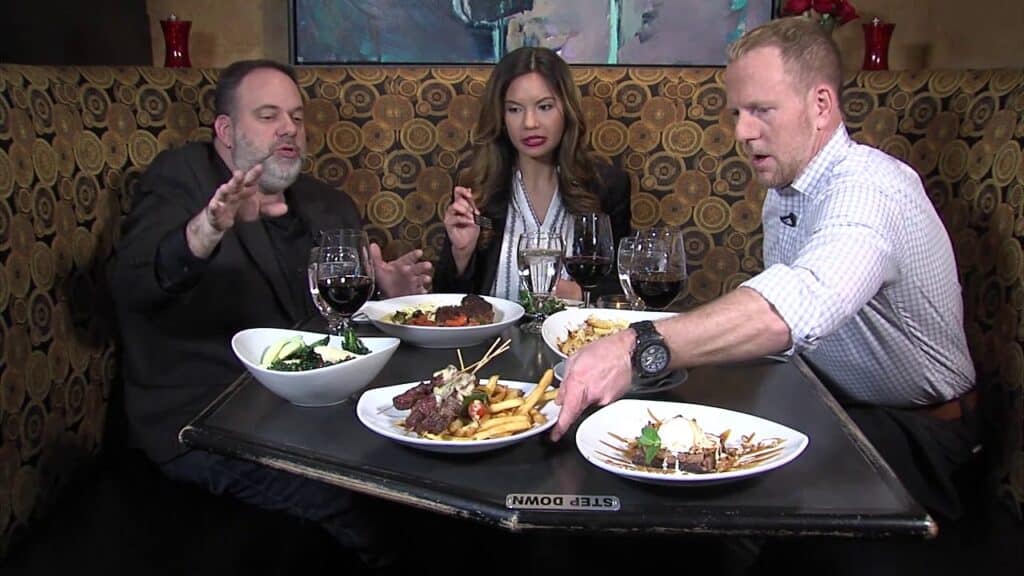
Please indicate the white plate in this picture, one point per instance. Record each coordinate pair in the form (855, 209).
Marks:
(376, 411)
(627, 417)
(557, 326)
(506, 313)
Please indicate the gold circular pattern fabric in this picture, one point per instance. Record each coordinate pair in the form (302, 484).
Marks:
(683, 138)
(645, 208)
(418, 136)
(610, 138)
(392, 111)
(657, 113)
(345, 139)
(363, 184)
(450, 135)
(642, 137)
(674, 210)
(333, 169)
(434, 183)
(665, 169)
(419, 209)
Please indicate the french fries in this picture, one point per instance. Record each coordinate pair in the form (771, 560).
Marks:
(592, 329)
(509, 412)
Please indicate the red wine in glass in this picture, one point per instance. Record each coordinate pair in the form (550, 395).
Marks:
(588, 270)
(657, 289)
(588, 259)
(345, 294)
(344, 275)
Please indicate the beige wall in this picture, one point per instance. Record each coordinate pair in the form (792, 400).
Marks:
(929, 33)
(941, 33)
(224, 30)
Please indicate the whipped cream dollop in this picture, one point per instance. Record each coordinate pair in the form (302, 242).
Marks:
(681, 434)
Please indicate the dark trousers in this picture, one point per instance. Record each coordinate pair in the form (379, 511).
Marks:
(346, 516)
(929, 456)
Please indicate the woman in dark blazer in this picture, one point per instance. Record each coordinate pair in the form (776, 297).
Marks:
(530, 170)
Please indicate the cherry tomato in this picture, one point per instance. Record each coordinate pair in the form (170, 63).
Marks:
(477, 410)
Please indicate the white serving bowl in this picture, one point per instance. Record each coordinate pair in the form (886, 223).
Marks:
(506, 313)
(319, 387)
(557, 326)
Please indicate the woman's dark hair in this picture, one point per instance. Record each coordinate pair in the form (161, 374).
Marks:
(494, 157)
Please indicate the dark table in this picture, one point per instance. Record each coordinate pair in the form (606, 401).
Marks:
(839, 486)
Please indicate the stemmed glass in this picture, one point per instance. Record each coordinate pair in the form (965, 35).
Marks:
(623, 264)
(658, 269)
(314, 292)
(344, 275)
(589, 257)
(539, 257)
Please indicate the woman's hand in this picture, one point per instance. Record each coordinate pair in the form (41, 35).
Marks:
(461, 226)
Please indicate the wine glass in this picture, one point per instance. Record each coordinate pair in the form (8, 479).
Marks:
(623, 264)
(539, 257)
(314, 292)
(658, 269)
(344, 275)
(589, 257)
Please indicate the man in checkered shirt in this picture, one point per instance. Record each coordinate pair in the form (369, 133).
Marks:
(859, 274)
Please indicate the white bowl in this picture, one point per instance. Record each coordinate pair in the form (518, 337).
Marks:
(557, 326)
(319, 387)
(506, 313)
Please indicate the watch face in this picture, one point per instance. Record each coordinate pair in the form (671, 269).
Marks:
(654, 359)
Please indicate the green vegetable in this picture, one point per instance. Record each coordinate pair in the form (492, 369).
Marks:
(352, 343)
(277, 349)
(301, 357)
(481, 396)
(294, 355)
(543, 305)
(650, 442)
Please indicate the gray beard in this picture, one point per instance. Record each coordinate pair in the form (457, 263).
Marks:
(277, 178)
(277, 174)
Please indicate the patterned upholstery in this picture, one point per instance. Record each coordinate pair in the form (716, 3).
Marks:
(74, 141)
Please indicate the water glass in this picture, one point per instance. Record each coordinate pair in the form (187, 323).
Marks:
(623, 264)
(539, 258)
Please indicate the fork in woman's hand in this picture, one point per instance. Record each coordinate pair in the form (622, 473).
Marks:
(483, 222)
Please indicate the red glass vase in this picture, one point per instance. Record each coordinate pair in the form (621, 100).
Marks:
(877, 35)
(176, 42)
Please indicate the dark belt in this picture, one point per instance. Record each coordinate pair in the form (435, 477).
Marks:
(953, 409)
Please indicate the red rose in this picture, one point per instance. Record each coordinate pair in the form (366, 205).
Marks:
(794, 7)
(846, 13)
(825, 6)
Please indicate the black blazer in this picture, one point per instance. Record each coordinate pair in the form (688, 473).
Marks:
(613, 192)
(176, 348)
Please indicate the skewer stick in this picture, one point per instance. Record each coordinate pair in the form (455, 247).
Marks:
(490, 355)
(461, 365)
(486, 354)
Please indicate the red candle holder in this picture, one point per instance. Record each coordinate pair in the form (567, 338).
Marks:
(176, 42)
(877, 35)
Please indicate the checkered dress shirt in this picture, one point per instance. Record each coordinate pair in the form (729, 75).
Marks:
(860, 267)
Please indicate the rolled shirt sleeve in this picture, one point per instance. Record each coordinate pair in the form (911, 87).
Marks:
(847, 256)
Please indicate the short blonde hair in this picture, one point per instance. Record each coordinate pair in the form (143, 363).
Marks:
(808, 52)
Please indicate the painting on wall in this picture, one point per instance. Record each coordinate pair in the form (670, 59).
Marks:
(631, 32)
